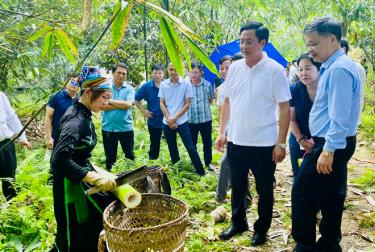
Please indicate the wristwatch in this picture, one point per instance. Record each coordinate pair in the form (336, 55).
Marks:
(282, 145)
(327, 153)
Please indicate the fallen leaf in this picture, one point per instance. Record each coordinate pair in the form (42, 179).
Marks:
(356, 191)
(367, 238)
(286, 237)
(370, 200)
(275, 234)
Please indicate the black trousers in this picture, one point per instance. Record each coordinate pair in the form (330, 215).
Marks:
(184, 132)
(155, 137)
(8, 165)
(312, 192)
(110, 143)
(206, 131)
(81, 236)
(259, 160)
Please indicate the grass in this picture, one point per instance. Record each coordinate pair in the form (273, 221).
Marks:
(366, 180)
(28, 223)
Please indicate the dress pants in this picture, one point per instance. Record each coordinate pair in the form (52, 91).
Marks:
(259, 160)
(312, 192)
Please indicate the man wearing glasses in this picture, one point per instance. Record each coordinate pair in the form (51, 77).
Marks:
(254, 87)
(322, 180)
(117, 117)
(56, 108)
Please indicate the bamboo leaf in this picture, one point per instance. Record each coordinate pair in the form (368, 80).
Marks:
(171, 46)
(48, 45)
(181, 26)
(178, 41)
(202, 56)
(120, 23)
(64, 47)
(67, 41)
(39, 33)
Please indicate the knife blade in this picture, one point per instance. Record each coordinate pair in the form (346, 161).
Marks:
(127, 178)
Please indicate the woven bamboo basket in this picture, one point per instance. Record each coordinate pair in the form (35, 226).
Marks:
(154, 173)
(157, 224)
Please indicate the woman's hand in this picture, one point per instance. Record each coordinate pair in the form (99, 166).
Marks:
(307, 144)
(103, 181)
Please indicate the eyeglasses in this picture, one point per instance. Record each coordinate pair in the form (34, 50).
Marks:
(122, 73)
(248, 42)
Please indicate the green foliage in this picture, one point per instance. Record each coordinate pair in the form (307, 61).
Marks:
(171, 45)
(366, 180)
(28, 221)
(120, 23)
(368, 221)
(367, 127)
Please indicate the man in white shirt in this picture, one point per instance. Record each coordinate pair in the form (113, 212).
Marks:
(10, 126)
(254, 87)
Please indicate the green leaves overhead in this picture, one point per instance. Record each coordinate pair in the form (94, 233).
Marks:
(48, 46)
(171, 46)
(181, 26)
(120, 23)
(66, 45)
(39, 33)
(52, 35)
(177, 40)
(199, 54)
(175, 47)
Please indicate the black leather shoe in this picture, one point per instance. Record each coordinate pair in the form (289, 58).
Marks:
(231, 231)
(258, 239)
(322, 246)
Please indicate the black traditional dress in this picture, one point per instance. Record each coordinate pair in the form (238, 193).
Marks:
(79, 217)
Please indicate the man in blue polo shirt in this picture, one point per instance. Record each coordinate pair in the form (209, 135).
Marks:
(199, 113)
(56, 108)
(175, 94)
(149, 92)
(322, 180)
(117, 117)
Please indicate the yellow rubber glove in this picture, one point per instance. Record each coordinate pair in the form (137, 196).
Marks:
(103, 181)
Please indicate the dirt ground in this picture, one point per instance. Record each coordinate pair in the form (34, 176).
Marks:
(358, 220)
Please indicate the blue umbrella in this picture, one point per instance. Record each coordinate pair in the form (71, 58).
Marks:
(233, 48)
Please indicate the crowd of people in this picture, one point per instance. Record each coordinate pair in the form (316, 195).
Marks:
(320, 108)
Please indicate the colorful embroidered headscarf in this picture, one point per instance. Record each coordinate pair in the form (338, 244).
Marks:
(92, 78)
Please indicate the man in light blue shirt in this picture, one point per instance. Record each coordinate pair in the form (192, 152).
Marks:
(175, 94)
(117, 117)
(322, 180)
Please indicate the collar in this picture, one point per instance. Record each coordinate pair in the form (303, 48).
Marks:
(153, 83)
(65, 92)
(85, 111)
(326, 64)
(178, 82)
(118, 88)
(200, 83)
(257, 65)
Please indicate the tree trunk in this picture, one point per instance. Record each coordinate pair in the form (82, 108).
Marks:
(86, 18)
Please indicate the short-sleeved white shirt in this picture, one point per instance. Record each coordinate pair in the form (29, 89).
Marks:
(175, 96)
(220, 95)
(254, 94)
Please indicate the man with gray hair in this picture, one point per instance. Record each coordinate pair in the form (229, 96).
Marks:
(321, 181)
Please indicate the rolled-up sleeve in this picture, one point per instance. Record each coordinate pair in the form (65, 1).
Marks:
(130, 94)
(12, 119)
(140, 94)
